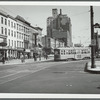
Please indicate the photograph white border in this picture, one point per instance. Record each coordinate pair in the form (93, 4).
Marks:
(50, 3)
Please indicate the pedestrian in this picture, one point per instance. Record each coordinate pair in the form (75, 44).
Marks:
(40, 56)
(46, 56)
(3, 60)
(22, 58)
(34, 56)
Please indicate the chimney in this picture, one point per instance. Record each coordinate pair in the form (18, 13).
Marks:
(54, 13)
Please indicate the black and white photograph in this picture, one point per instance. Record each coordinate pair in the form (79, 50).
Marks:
(50, 48)
(49, 99)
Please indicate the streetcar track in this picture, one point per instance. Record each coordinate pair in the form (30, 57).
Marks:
(14, 72)
(30, 72)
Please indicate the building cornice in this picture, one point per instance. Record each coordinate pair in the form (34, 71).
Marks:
(38, 28)
(3, 13)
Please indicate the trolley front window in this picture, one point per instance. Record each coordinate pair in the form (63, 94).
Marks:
(56, 51)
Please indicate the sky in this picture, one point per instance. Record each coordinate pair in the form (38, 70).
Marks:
(38, 14)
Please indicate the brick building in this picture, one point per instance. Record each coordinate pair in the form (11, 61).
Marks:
(49, 44)
(59, 27)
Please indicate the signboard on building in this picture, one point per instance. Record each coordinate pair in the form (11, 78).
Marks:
(27, 50)
(98, 42)
(93, 42)
(1, 40)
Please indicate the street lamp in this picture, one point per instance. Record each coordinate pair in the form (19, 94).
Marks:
(96, 25)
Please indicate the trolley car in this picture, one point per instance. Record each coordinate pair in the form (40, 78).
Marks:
(72, 53)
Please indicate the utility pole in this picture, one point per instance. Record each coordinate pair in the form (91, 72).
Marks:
(92, 37)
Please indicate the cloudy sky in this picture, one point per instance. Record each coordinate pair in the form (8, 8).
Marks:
(37, 15)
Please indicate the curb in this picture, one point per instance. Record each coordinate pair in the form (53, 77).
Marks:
(25, 62)
(86, 69)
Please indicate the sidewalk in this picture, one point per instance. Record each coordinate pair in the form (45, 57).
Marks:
(18, 61)
(92, 70)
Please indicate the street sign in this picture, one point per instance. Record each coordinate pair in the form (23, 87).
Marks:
(93, 42)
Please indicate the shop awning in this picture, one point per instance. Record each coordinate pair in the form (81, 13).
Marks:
(40, 45)
(3, 43)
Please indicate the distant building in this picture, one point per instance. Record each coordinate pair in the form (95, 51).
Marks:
(78, 45)
(49, 44)
(39, 39)
(33, 40)
(59, 27)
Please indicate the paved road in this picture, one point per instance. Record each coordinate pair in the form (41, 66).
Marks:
(49, 77)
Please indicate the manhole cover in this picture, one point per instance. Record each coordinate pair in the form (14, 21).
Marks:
(98, 87)
(60, 72)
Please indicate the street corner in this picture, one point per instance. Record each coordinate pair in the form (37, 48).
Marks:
(95, 70)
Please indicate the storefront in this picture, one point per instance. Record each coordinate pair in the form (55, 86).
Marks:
(3, 52)
(31, 52)
(19, 52)
(3, 49)
(27, 53)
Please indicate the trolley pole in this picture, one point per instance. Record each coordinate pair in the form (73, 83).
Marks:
(92, 38)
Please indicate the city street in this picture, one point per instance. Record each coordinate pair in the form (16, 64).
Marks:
(49, 77)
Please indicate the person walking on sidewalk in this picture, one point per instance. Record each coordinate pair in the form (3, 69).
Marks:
(46, 56)
(34, 56)
(22, 58)
(3, 60)
(40, 57)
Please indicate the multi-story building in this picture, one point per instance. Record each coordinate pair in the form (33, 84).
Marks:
(39, 39)
(59, 27)
(3, 34)
(17, 36)
(39, 36)
(50, 44)
(33, 40)
(23, 31)
(11, 37)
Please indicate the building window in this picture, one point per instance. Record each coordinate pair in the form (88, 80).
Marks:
(5, 31)
(8, 22)
(1, 30)
(22, 36)
(22, 45)
(24, 29)
(12, 33)
(1, 20)
(9, 42)
(12, 24)
(17, 26)
(9, 32)
(15, 44)
(17, 35)
(5, 21)
(12, 42)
